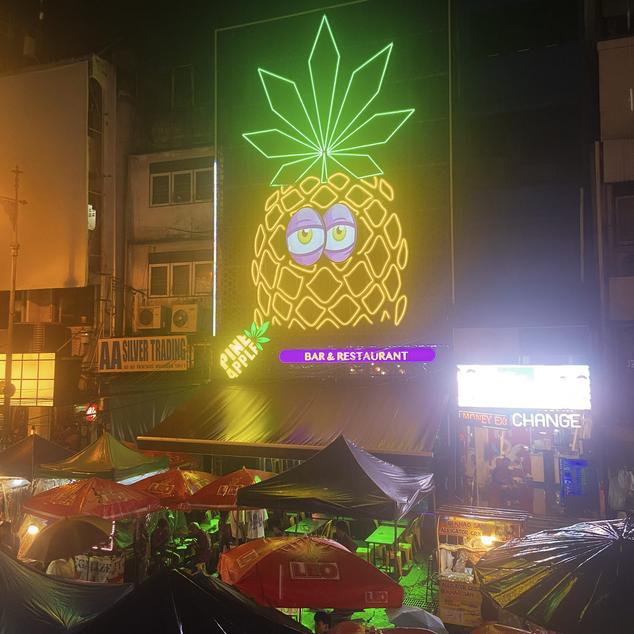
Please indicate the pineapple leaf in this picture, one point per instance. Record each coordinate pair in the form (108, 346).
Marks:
(326, 137)
(247, 333)
(254, 329)
(377, 130)
(258, 346)
(263, 339)
(264, 327)
(286, 102)
(357, 165)
(323, 67)
(278, 144)
(291, 172)
(364, 85)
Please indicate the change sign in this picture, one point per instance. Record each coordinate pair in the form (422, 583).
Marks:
(143, 354)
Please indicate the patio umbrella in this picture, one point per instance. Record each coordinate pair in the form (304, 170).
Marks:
(223, 492)
(573, 580)
(95, 496)
(301, 572)
(412, 616)
(67, 537)
(174, 487)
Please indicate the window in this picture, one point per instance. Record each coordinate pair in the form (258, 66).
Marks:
(182, 181)
(181, 277)
(180, 273)
(204, 184)
(181, 187)
(202, 278)
(160, 194)
(159, 274)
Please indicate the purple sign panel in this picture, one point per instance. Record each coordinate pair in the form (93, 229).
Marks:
(410, 354)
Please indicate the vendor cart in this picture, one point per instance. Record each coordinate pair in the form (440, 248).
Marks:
(464, 534)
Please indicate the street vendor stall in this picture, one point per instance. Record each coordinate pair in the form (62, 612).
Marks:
(464, 535)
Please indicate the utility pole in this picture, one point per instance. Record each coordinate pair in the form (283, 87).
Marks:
(12, 207)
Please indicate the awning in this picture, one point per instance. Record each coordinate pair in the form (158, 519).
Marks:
(342, 479)
(295, 418)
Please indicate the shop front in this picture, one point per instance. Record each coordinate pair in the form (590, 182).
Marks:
(525, 438)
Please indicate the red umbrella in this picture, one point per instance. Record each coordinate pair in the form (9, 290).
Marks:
(174, 487)
(95, 496)
(223, 492)
(300, 572)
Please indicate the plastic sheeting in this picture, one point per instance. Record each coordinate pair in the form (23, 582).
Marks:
(22, 458)
(574, 580)
(342, 479)
(171, 603)
(32, 603)
(105, 458)
(383, 416)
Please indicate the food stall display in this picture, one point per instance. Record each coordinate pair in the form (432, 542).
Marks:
(464, 535)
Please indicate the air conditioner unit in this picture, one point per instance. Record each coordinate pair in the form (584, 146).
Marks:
(184, 317)
(151, 317)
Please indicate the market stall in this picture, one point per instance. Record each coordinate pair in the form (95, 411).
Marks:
(464, 535)
(105, 458)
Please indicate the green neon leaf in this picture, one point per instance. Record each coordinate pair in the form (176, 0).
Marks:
(264, 327)
(278, 144)
(291, 172)
(364, 85)
(323, 67)
(357, 165)
(377, 130)
(247, 333)
(254, 329)
(258, 346)
(286, 102)
(263, 339)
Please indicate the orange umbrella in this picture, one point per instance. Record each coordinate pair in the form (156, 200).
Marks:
(223, 492)
(300, 572)
(174, 487)
(95, 496)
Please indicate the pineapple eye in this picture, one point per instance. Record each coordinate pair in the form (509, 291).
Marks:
(341, 232)
(305, 236)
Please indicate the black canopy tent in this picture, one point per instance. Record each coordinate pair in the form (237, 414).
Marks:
(33, 603)
(172, 602)
(342, 479)
(21, 459)
(294, 418)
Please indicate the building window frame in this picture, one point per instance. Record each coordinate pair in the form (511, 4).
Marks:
(169, 192)
(170, 278)
(168, 283)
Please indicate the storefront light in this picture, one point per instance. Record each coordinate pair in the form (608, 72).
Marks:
(487, 540)
(33, 529)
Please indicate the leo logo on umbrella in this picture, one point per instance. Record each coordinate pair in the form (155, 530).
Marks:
(314, 570)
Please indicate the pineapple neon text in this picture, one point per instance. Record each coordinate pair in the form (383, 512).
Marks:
(237, 355)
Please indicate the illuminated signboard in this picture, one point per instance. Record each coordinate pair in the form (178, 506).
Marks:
(331, 182)
(143, 354)
(542, 397)
(236, 357)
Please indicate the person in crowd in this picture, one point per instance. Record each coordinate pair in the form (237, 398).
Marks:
(275, 528)
(161, 536)
(202, 545)
(9, 542)
(225, 538)
(342, 536)
(255, 521)
(323, 622)
(62, 568)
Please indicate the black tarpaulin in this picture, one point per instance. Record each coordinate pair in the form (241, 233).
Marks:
(575, 580)
(287, 418)
(21, 458)
(342, 479)
(173, 603)
(32, 603)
